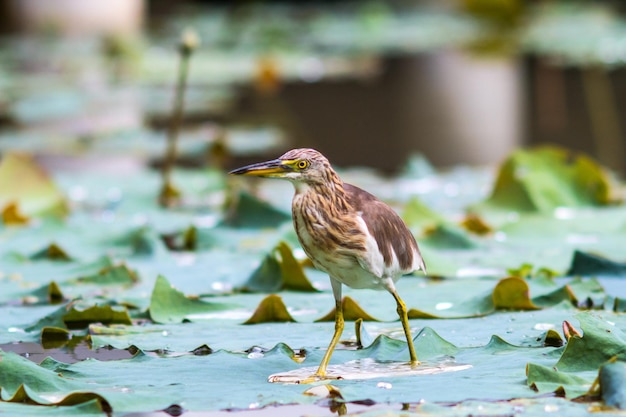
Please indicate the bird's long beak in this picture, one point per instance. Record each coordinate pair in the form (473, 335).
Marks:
(273, 168)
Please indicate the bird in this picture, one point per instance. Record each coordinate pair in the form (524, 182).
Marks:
(348, 233)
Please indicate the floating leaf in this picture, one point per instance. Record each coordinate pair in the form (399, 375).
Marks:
(293, 275)
(144, 241)
(612, 378)
(544, 379)
(80, 319)
(419, 216)
(52, 252)
(475, 224)
(251, 212)
(600, 342)
(513, 293)
(352, 311)
(587, 264)
(25, 382)
(448, 236)
(168, 305)
(272, 309)
(112, 275)
(542, 179)
(24, 184)
(54, 337)
(552, 338)
(279, 271)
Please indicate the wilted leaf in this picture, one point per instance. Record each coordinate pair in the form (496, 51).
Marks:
(52, 252)
(352, 311)
(513, 293)
(54, 337)
(11, 215)
(293, 275)
(278, 271)
(272, 309)
(168, 305)
(80, 319)
(112, 275)
(24, 184)
(475, 224)
(552, 338)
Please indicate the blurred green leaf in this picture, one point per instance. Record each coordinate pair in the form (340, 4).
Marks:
(251, 212)
(52, 252)
(168, 305)
(545, 178)
(587, 264)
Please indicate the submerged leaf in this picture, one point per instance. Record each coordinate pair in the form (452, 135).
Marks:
(168, 305)
(272, 309)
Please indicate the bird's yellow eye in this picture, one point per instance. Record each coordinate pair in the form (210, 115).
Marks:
(302, 164)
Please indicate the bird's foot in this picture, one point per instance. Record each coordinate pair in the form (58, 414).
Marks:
(299, 379)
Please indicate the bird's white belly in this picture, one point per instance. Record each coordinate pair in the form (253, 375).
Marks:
(339, 266)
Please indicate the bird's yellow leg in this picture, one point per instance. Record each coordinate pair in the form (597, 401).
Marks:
(339, 324)
(404, 318)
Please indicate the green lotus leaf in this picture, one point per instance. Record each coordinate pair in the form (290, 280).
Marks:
(168, 305)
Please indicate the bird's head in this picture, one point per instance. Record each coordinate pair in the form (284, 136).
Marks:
(297, 165)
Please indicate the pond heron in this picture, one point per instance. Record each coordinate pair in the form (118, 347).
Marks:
(348, 233)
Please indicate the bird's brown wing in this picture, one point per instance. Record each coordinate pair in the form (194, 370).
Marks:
(386, 226)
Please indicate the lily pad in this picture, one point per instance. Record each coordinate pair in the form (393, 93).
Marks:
(545, 178)
(168, 305)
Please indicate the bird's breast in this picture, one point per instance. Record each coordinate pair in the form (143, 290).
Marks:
(334, 245)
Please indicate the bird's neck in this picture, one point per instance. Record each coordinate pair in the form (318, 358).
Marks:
(331, 191)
